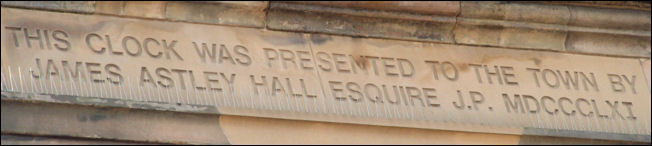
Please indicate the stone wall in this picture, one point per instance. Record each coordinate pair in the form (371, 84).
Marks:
(614, 30)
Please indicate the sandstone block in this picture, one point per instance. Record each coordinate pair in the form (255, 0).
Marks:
(608, 44)
(147, 9)
(512, 25)
(646, 69)
(610, 18)
(504, 34)
(249, 14)
(68, 6)
(441, 8)
(110, 7)
(548, 14)
(12, 139)
(110, 123)
(323, 22)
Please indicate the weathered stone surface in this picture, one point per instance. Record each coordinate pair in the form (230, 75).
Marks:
(110, 7)
(147, 9)
(323, 22)
(442, 8)
(645, 63)
(478, 32)
(555, 27)
(608, 44)
(249, 14)
(534, 13)
(549, 140)
(323, 77)
(70, 6)
(507, 24)
(610, 18)
(636, 5)
(251, 130)
(107, 102)
(471, 78)
(110, 123)
(11, 139)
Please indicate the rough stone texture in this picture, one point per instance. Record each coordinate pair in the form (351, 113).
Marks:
(110, 123)
(476, 32)
(70, 6)
(110, 7)
(635, 5)
(109, 102)
(610, 18)
(324, 22)
(609, 44)
(443, 8)
(147, 9)
(529, 25)
(12, 139)
(511, 25)
(247, 14)
(555, 27)
(534, 13)
(615, 32)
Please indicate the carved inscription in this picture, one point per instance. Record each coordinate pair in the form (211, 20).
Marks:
(248, 68)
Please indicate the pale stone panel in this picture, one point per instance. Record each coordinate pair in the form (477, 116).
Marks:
(464, 74)
(251, 130)
(646, 68)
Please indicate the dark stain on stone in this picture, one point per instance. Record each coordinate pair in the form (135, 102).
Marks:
(537, 61)
(491, 27)
(463, 67)
(284, 40)
(428, 36)
(82, 118)
(320, 39)
(96, 118)
(64, 98)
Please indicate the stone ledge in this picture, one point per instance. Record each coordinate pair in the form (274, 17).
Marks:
(587, 135)
(559, 28)
(441, 8)
(610, 44)
(548, 26)
(502, 24)
(66, 6)
(18, 139)
(341, 21)
(110, 123)
(633, 5)
(108, 102)
(247, 14)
